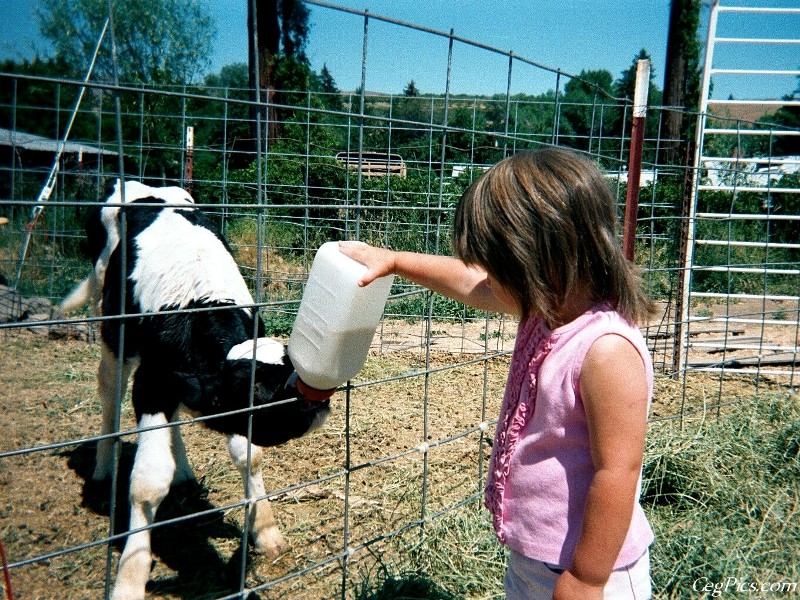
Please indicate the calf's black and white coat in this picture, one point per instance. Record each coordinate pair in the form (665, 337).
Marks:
(201, 359)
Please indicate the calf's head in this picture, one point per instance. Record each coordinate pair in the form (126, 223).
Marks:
(279, 413)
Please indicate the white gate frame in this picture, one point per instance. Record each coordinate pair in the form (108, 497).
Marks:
(745, 183)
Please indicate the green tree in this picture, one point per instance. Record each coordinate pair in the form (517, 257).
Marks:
(230, 77)
(787, 116)
(582, 105)
(158, 41)
(625, 86)
(29, 105)
(417, 110)
(411, 90)
(231, 133)
(590, 84)
(327, 86)
(37, 113)
(466, 142)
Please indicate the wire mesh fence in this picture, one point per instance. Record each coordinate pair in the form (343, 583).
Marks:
(407, 443)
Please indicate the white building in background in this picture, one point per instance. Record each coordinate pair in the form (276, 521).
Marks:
(758, 171)
(647, 177)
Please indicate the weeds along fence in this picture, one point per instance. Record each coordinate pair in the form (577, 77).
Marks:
(408, 444)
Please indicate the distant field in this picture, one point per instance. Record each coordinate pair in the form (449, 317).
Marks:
(745, 111)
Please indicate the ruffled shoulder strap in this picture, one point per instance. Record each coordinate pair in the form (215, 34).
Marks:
(534, 342)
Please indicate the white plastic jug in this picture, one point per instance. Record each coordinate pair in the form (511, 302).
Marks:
(336, 320)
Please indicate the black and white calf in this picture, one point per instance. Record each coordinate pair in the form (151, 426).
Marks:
(201, 359)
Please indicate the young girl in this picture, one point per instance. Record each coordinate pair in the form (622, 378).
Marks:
(536, 236)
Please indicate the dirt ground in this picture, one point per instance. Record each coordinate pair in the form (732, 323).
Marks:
(49, 504)
(355, 485)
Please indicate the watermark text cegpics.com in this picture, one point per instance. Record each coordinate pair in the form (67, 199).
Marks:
(734, 585)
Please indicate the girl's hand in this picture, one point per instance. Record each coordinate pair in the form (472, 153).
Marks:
(569, 587)
(379, 261)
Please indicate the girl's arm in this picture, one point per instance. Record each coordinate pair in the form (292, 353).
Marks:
(443, 274)
(614, 389)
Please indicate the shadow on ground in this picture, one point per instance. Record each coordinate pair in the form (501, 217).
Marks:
(185, 546)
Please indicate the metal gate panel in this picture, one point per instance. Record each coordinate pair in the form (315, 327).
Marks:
(741, 269)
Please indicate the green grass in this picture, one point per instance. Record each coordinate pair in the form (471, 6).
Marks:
(722, 495)
(456, 556)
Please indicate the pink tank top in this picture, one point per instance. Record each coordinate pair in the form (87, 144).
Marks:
(541, 465)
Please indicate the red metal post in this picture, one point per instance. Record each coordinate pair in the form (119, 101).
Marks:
(189, 167)
(635, 156)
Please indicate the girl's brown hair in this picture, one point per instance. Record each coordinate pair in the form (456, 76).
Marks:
(543, 223)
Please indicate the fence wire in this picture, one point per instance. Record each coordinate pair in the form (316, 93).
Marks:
(407, 444)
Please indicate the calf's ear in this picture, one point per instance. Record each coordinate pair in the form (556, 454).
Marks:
(197, 392)
(269, 378)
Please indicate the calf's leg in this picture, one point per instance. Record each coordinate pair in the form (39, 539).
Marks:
(183, 470)
(151, 476)
(107, 378)
(267, 537)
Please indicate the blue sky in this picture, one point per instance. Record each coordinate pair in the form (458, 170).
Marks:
(571, 35)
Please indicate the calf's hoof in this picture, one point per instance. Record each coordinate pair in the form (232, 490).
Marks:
(269, 542)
